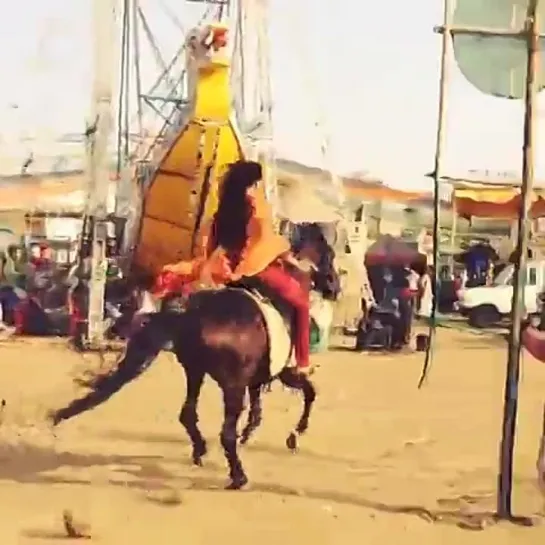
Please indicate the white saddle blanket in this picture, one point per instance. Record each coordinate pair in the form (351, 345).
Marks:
(280, 342)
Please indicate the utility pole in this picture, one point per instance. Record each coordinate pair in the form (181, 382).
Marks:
(505, 477)
(98, 167)
(528, 89)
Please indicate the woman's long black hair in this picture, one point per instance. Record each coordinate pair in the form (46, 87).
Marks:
(235, 210)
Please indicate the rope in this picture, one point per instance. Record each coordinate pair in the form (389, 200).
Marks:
(433, 317)
(439, 144)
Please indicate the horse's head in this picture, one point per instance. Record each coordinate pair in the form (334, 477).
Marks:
(207, 47)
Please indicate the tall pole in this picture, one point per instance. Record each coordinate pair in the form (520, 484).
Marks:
(105, 49)
(438, 170)
(505, 477)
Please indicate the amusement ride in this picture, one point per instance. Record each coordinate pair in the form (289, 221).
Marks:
(210, 105)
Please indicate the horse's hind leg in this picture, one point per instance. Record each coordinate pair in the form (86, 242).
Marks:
(233, 400)
(254, 414)
(188, 414)
(302, 383)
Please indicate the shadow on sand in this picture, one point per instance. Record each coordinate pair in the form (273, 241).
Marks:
(275, 450)
(162, 487)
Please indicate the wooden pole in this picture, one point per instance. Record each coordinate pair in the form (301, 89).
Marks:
(482, 31)
(437, 170)
(453, 231)
(505, 477)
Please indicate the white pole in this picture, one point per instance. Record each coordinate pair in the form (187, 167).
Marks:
(100, 128)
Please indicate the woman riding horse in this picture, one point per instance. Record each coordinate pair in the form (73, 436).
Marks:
(240, 243)
(221, 333)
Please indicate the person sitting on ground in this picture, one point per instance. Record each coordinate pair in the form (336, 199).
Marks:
(374, 333)
(240, 242)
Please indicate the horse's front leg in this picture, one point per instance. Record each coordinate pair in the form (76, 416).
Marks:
(188, 414)
(255, 413)
(302, 383)
(233, 401)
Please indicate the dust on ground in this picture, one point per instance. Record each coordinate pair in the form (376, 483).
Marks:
(381, 460)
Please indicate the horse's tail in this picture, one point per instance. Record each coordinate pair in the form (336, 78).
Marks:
(142, 349)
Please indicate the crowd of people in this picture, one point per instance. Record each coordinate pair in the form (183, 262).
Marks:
(392, 294)
(25, 275)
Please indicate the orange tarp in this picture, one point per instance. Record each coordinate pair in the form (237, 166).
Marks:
(383, 193)
(482, 200)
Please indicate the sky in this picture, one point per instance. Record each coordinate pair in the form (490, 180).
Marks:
(368, 70)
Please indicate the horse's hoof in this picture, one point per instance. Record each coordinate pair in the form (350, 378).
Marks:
(291, 442)
(238, 483)
(199, 452)
(244, 438)
(53, 418)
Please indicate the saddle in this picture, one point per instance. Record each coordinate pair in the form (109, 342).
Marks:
(276, 313)
(278, 318)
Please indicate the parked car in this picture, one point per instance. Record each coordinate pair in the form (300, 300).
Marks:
(486, 306)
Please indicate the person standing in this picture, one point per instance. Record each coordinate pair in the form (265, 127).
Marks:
(425, 294)
(413, 278)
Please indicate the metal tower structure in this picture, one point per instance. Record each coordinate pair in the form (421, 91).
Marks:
(145, 120)
(148, 121)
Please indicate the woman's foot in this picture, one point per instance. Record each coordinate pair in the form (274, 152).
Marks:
(306, 370)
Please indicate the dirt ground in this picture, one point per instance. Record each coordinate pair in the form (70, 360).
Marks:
(381, 460)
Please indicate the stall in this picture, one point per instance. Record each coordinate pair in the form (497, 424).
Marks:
(495, 199)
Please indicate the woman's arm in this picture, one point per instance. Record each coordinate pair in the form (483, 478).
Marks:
(205, 241)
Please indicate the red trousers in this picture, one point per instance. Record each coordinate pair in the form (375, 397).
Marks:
(289, 289)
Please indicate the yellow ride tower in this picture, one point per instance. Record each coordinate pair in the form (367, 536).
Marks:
(183, 193)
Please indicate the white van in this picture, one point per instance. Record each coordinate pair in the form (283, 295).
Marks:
(487, 305)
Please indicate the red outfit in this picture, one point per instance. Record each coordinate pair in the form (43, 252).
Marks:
(261, 257)
(281, 282)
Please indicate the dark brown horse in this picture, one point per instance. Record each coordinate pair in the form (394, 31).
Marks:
(221, 333)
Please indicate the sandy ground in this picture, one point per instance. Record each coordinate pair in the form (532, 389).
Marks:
(380, 463)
